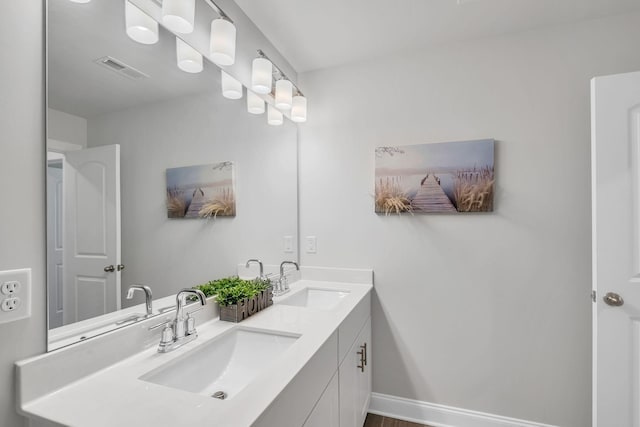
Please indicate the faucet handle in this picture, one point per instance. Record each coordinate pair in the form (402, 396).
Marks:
(167, 335)
(191, 325)
(166, 321)
(284, 283)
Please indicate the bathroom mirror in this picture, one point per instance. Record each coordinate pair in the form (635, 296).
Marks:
(123, 111)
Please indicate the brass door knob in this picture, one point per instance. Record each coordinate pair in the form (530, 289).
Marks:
(613, 299)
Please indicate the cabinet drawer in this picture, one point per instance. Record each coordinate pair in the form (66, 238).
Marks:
(352, 325)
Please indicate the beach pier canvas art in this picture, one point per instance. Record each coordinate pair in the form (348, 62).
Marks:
(203, 191)
(449, 177)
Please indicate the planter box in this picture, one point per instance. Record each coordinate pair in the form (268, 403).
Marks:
(247, 307)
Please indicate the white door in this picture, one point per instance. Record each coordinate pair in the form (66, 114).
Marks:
(54, 243)
(91, 232)
(615, 105)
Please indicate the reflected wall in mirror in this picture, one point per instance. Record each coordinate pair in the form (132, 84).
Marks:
(112, 133)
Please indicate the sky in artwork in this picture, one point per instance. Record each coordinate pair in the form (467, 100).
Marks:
(449, 155)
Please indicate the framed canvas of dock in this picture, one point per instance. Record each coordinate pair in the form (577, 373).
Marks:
(202, 191)
(449, 177)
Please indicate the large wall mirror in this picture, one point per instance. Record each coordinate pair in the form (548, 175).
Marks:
(120, 114)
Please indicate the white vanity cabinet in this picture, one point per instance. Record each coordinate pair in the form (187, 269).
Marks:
(321, 380)
(355, 380)
(344, 366)
(345, 401)
(326, 413)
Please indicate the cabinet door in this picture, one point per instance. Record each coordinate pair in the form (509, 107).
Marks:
(326, 412)
(355, 380)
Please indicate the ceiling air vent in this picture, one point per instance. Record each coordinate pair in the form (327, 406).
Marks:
(120, 68)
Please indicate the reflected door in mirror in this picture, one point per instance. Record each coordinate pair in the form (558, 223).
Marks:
(91, 232)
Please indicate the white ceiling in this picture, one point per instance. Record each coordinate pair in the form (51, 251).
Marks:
(78, 34)
(310, 34)
(321, 34)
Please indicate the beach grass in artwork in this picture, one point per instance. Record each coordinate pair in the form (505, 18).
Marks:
(202, 191)
(448, 177)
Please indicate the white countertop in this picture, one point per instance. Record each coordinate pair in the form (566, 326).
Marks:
(116, 396)
(75, 332)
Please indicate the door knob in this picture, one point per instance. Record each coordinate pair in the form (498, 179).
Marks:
(109, 269)
(613, 299)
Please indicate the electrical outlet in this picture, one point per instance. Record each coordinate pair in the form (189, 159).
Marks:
(10, 287)
(10, 304)
(15, 295)
(312, 244)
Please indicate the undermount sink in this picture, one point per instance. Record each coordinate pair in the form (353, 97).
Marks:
(225, 365)
(323, 299)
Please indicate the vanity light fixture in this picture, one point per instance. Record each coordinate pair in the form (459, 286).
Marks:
(261, 75)
(222, 40)
(287, 94)
(80, 1)
(284, 94)
(222, 46)
(255, 104)
(140, 26)
(274, 116)
(299, 109)
(179, 15)
(231, 88)
(189, 59)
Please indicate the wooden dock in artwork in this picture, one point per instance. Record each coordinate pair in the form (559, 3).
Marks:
(197, 202)
(431, 198)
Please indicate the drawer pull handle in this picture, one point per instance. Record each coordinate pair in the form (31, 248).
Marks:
(361, 365)
(364, 349)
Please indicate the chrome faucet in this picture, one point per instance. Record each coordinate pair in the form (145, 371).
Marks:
(183, 328)
(147, 295)
(282, 287)
(259, 263)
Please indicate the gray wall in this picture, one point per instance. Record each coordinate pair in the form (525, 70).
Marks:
(22, 177)
(66, 127)
(487, 312)
(483, 312)
(170, 254)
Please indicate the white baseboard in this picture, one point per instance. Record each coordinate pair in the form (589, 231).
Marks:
(440, 415)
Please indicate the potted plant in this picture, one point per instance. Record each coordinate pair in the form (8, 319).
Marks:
(239, 298)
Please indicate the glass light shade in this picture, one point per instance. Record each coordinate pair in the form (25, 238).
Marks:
(178, 15)
(222, 46)
(274, 117)
(255, 104)
(80, 1)
(284, 93)
(189, 59)
(231, 88)
(140, 26)
(299, 109)
(261, 76)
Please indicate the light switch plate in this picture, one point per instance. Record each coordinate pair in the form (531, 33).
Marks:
(15, 295)
(312, 244)
(288, 244)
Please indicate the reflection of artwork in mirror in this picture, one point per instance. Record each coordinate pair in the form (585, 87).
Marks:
(449, 177)
(203, 191)
(142, 127)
